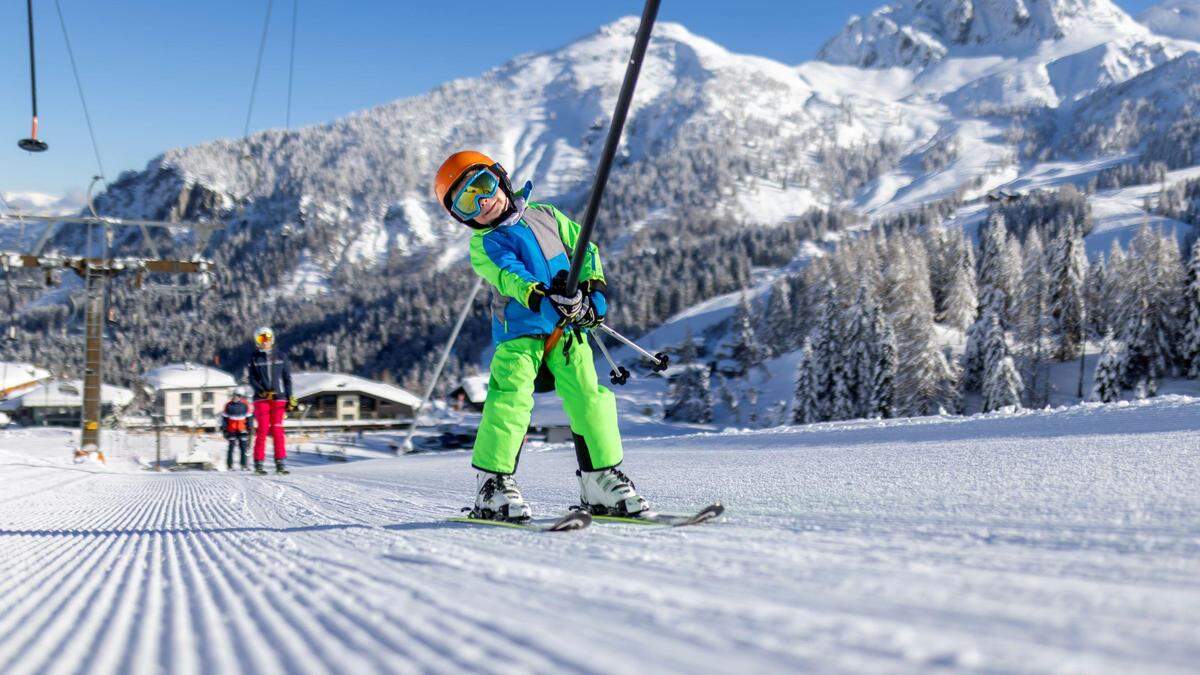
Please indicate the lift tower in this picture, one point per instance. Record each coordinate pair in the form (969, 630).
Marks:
(95, 273)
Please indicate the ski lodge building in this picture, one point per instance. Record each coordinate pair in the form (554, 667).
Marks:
(349, 398)
(60, 403)
(470, 394)
(18, 377)
(188, 393)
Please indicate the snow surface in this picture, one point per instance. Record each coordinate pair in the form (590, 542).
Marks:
(1062, 541)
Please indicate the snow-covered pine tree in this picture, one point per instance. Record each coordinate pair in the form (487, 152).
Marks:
(961, 299)
(1068, 274)
(1190, 345)
(1118, 296)
(925, 382)
(691, 399)
(1003, 387)
(855, 351)
(1032, 326)
(826, 354)
(943, 248)
(1096, 293)
(1108, 372)
(1154, 290)
(1013, 268)
(746, 349)
(995, 270)
(974, 362)
(1002, 384)
(882, 396)
(1140, 367)
(779, 331)
(807, 408)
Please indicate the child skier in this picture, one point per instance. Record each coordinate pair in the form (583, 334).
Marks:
(523, 249)
(236, 423)
(271, 378)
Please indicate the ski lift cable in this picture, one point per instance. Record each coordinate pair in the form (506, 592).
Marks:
(32, 144)
(291, 65)
(87, 116)
(262, 44)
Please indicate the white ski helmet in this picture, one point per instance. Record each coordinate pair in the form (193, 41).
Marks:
(264, 338)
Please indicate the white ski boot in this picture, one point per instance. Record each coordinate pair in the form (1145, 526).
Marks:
(610, 492)
(499, 498)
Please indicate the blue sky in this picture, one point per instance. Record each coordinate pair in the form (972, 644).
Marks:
(166, 73)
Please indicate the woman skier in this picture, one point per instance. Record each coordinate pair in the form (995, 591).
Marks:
(271, 378)
(523, 249)
(237, 423)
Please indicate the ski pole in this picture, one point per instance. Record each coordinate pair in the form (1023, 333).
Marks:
(437, 372)
(660, 360)
(624, 98)
(618, 374)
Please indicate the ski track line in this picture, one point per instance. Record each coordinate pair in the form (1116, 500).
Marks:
(466, 626)
(57, 611)
(450, 621)
(48, 488)
(282, 561)
(433, 640)
(291, 630)
(109, 586)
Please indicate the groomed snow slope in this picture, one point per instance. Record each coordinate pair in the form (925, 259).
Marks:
(1063, 541)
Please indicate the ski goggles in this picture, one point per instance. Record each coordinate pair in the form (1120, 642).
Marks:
(264, 339)
(480, 185)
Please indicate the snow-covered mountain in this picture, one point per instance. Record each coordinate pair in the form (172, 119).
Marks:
(919, 101)
(922, 32)
(366, 178)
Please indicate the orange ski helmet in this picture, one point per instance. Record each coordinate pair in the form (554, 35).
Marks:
(453, 169)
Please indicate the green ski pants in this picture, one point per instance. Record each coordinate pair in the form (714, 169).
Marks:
(591, 408)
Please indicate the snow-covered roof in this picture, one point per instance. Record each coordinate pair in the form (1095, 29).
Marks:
(307, 384)
(18, 375)
(65, 394)
(476, 387)
(188, 376)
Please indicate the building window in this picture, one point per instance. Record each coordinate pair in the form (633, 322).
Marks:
(185, 398)
(206, 413)
(207, 397)
(185, 415)
(347, 418)
(348, 403)
(366, 403)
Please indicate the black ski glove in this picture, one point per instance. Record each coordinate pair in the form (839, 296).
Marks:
(597, 305)
(570, 308)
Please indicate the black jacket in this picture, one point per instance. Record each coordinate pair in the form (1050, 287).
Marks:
(269, 372)
(237, 410)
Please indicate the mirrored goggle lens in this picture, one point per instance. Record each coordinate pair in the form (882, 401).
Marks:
(263, 339)
(480, 186)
